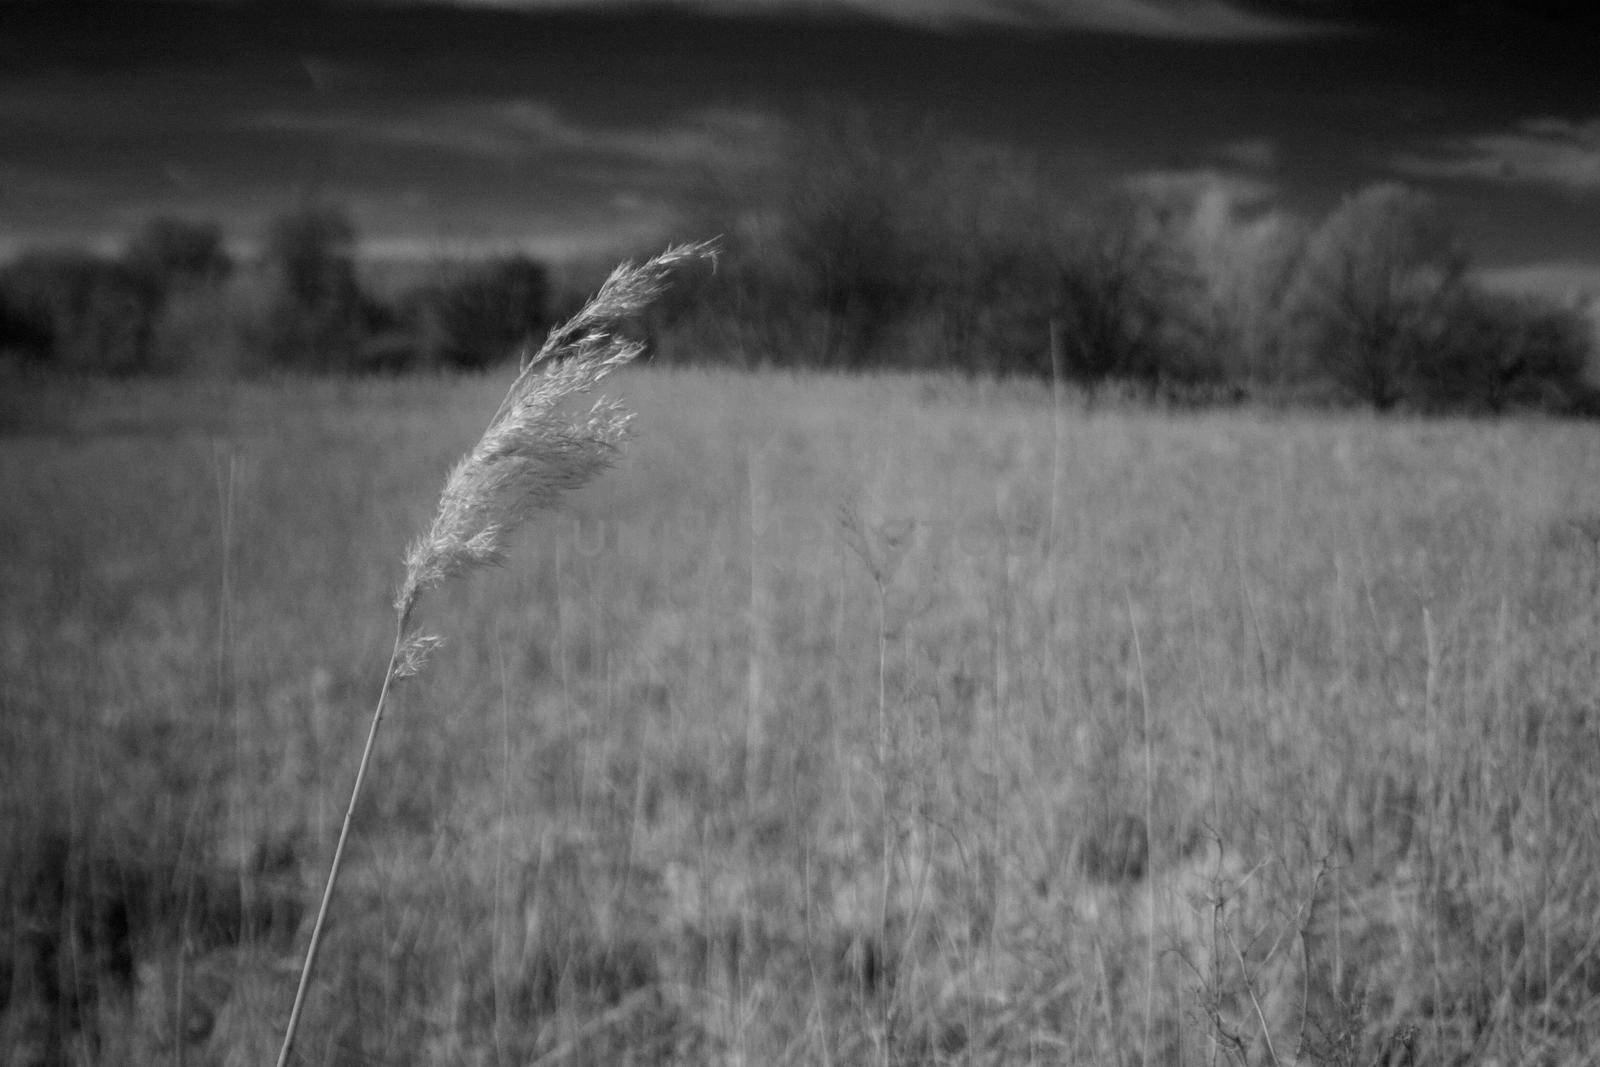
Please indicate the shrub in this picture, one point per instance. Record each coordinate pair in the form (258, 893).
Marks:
(315, 320)
(752, 308)
(1128, 294)
(1494, 351)
(880, 239)
(79, 311)
(217, 329)
(996, 226)
(844, 216)
(1246, 262)
(1376, 277)
(27, 327)
(176, 252)
(484, 316)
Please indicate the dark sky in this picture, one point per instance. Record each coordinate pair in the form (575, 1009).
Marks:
(569, 127)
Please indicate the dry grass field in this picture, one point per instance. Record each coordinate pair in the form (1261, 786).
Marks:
(878, 720)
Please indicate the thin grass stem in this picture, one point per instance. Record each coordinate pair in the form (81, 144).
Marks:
(338, 854)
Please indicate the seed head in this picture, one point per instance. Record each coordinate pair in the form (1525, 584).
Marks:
(535, 448)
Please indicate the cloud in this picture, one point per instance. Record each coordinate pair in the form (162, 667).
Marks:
(1204, 185)
(709, 134)
(515, 130)
(1541, 151)
(551, 239)
(1571, 282)
(1214, 19)
(601, 184)
(1254, 153)
(412, 131)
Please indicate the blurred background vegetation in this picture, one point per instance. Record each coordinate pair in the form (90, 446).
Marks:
(874, 241)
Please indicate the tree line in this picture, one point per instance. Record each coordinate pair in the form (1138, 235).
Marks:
(884, 244)
(868, 244)
(176, 301)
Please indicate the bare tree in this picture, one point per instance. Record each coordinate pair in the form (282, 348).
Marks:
(177, 252)
(489, 313)
(316, 302)
(1127, 293)
(1376, 276)
(78, 311)
(883, 237)
(1247, 263)
(1495, 351)
(843, 214)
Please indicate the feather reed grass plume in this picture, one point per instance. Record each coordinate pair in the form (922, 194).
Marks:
(531, 453)
(535, 449)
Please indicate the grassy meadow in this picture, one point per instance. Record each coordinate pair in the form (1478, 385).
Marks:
(848, 720)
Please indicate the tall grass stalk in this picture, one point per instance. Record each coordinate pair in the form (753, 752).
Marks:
(882, 549)
(1149, 822)
(532, 452)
